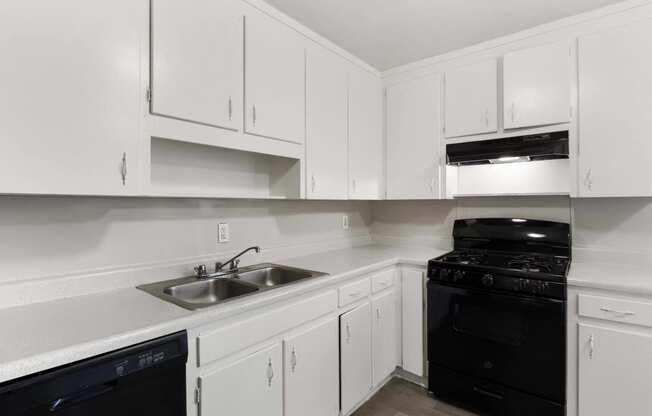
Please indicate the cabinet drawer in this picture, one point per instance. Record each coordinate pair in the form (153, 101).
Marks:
(242, 334)
(354, 291)
(382, 281)
(616, 309)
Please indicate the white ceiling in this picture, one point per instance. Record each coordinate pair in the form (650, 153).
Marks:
(388, 33)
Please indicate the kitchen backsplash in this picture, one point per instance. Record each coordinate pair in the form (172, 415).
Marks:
(54, 236)
(45, 237)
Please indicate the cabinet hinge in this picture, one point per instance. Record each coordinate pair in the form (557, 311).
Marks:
(149, 94)
(197, 395)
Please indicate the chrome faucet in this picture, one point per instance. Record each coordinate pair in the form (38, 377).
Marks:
(234, 261)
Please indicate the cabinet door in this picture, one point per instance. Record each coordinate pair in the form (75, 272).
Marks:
(383, 309)
(197, 61)
(615, 80)
(614, 372)
(412, 328)
(311, 372)
(71, 96)
(274, 78)
(251, 386)
(536, 86)
(355, 360)
(472, 99)
(365, 135)
(413, 129)
(326, 118)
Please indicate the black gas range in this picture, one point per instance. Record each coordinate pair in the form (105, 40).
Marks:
(497, 317)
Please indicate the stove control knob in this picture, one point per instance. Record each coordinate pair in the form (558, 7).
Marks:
(459, 275)
(488, 280)
(443, 273)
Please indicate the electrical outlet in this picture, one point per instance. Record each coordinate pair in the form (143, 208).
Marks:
(223, 233)
(346, 223)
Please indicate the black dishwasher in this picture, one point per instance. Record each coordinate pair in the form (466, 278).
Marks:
(141, 380)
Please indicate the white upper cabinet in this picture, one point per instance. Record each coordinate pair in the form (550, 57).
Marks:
(615, 84)
(196, 67)
(311, 371)
(355, 359)
(71, 96)
(365, 135)
(536, 86)
(471, 103)
(326, 125)
(413, 130)
(274, 78)
(251, 386)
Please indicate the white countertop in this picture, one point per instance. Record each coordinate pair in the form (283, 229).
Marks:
(45, 335)
(41, 336)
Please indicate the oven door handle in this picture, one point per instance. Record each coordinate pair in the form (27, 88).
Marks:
(488, 393)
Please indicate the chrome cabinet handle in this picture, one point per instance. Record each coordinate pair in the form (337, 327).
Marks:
(354, 185)
(270, 373)
(617, 312)
(254, 115)
(354, 294)
(378, 316)
(588, 180)
(294, 360)
(591, 346)
(348, 333)
(123, 170)
(312, 183)
(513, 111)
(486, 117)
(230, 108)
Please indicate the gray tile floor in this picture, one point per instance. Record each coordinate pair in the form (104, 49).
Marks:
(401, 398)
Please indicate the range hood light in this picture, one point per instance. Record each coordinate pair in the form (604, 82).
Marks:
(510, 159)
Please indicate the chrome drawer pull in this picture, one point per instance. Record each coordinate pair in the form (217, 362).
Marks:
(616, 312)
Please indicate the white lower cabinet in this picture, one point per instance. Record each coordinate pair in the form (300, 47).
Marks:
(383, 308)
(251, 386)
(355, 359)
(412, 315)
(311, 371)
(614, 372)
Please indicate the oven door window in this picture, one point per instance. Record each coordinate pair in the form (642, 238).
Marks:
(515, 340)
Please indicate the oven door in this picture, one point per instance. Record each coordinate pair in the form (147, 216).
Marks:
(518, 341)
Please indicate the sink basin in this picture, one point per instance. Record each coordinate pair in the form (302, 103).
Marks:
(275, 275)
(194, 293)
(209, 291)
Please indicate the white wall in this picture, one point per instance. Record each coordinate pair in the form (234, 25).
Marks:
(45, 237)
(431, 222)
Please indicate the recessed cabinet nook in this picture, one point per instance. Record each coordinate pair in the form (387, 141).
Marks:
(234, 99)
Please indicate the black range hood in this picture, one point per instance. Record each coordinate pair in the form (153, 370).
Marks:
(533, 147)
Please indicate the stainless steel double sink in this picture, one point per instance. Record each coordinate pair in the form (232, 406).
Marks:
(195, 293)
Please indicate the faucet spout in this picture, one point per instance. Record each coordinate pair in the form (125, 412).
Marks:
(234, 261)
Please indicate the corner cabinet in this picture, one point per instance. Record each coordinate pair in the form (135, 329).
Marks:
(365, 135)
(326, 125)
(274, 78)
(471, 99)
(187, 82)
(537, 86)
(71, 96)
(311, 371)
(413, 132)
(251, 386)
(614, 372)
(615, 80)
